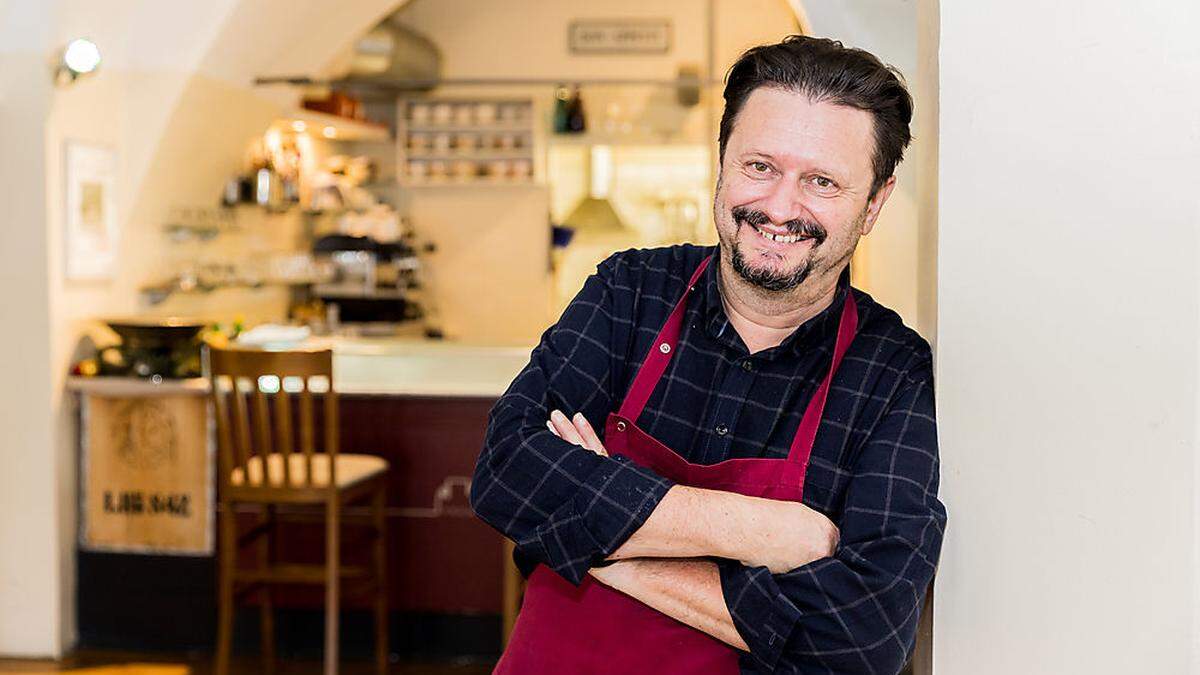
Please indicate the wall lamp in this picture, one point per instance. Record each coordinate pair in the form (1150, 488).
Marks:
(80, 57)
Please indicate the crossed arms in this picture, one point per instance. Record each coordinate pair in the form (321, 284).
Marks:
(658, 563)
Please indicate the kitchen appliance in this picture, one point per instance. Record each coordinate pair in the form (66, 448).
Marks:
(370, 281)
(168, 348)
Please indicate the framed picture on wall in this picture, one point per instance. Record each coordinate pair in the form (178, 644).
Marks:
(90, 233)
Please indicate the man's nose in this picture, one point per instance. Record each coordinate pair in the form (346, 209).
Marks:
(785, 202)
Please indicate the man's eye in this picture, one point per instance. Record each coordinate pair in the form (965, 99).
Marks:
(824, 183)
(760, 167)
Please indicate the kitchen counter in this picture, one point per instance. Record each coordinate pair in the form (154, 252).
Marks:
(422, 367)
(370, 366)
(127, 387)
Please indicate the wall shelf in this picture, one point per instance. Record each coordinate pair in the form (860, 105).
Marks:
(465, 141)
(332, 127)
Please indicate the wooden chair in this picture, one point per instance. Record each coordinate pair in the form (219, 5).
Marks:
(281, 463)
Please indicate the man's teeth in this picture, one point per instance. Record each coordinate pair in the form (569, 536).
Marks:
(779, 237)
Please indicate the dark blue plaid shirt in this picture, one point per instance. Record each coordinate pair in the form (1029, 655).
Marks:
(873, 470)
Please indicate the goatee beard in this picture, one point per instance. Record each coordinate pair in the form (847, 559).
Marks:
(767, 279)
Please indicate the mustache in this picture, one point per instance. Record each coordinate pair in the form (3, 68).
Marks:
(804, 228)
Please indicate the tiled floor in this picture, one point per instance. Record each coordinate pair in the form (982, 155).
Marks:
(120, 663)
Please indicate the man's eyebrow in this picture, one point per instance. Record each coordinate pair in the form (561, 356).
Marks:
(756, 153)
(833, 172)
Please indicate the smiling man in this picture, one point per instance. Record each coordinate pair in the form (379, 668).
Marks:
(763, 497)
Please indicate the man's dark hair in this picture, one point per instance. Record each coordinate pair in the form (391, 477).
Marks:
(825, 70)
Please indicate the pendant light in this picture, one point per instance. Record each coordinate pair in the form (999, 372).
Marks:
(594, 214)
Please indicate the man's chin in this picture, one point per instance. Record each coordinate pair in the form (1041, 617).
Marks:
(768, 272)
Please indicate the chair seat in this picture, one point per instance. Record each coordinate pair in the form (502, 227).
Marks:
(351, 470)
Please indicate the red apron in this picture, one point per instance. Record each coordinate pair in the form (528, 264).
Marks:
(595, 629)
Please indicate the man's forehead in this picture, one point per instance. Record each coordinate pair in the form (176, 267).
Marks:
(785, 123)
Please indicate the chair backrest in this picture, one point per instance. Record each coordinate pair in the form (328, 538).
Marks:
(253, 389)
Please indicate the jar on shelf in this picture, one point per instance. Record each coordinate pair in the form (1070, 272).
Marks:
(464, 115)
(522, 169)
(418, 142)
(466, 142)
(498, 169)
(464, 170)
(419, 113)
(438, 170)
(485, 113)
(417, 171)
(443, 114)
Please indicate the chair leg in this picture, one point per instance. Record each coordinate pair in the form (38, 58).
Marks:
(227, 559)
(332, 568)
(511, 602)
(379, 501)
(267, 558)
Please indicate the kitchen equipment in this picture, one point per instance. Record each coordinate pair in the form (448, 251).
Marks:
(371, 281)
(595, 213)
(153, 347)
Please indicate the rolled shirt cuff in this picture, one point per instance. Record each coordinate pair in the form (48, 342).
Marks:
(610, 506)
(764, 622)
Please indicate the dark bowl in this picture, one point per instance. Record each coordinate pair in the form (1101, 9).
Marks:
(155, 334)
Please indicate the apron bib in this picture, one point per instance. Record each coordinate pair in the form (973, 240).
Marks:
(592, 628)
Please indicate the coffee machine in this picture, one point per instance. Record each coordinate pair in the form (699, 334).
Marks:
(367, 281)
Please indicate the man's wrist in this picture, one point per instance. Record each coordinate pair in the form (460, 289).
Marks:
(714, 520)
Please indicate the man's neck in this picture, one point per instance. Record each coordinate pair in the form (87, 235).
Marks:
(764, 318)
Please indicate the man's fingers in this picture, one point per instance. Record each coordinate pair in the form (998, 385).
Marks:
(576, 430)
(590, 439)
(565, 429)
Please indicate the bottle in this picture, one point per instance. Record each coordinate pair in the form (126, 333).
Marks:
(576, 120)
(561, 96)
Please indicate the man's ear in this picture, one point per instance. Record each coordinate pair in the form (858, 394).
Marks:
(875, 204)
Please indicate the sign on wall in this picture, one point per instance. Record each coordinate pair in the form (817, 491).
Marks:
(619, 36)
(147, 483)
(90, 233)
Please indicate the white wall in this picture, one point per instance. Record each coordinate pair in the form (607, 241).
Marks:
(30, 592)
(1067, 337)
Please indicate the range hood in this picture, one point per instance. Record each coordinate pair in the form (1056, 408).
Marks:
(594, 214)
(390, 52)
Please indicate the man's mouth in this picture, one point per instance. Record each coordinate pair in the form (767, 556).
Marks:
(780, 238)
(791, 232)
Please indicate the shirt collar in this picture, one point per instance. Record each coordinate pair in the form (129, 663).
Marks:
(812, 333)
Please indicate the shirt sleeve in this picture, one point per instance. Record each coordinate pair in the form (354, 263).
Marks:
(563, 506)
(857, 611)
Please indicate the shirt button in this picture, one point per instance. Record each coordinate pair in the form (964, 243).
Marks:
(747, 365)
(722, 430)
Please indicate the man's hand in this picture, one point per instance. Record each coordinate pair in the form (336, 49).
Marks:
(694, 522)
(576, 430)
(782, 535)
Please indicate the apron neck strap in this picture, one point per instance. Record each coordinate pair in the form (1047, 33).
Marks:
(660, 354)
(665, 343)
(806, 434)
